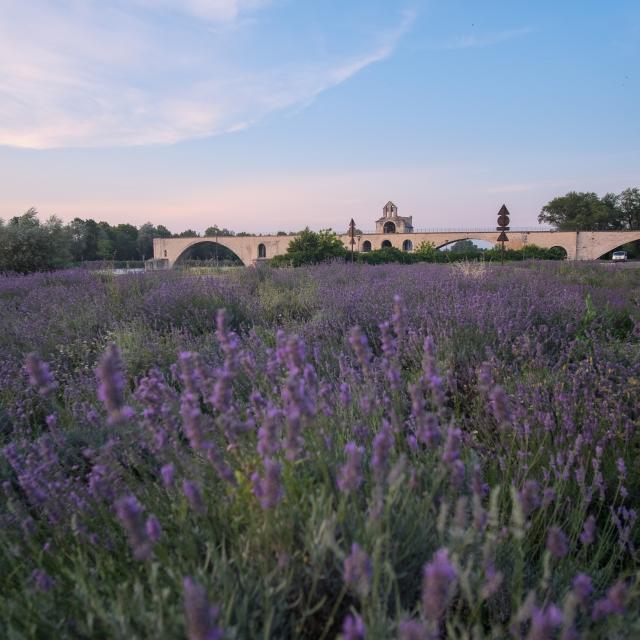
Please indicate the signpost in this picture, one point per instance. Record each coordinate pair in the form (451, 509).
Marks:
(352, 235)
(503, 226)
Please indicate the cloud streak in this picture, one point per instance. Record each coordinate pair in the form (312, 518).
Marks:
(96, 74)
(487, 40)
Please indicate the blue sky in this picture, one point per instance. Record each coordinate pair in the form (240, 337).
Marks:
(262, 115)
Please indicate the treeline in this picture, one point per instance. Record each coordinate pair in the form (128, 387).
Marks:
(27, 244)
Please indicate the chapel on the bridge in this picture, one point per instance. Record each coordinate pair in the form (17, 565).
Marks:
(391, 222)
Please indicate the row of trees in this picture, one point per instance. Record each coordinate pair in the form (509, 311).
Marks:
(27, 244)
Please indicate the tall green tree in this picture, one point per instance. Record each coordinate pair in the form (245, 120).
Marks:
(581, 212)
(311, 248)
(629, 207)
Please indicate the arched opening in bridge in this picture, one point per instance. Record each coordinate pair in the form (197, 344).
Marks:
(207, 253)
(389, 227)
(386, 243)
(366, 246)
(632, 250)
(468, 247)
(558, 253)
(407, 245)
(262, 251)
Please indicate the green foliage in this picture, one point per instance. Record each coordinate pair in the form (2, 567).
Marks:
(312, 247)
(387, 254)
(588, 212)
(426, 251)
(28, 245)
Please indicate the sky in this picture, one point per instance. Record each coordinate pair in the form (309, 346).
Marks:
(266, 115)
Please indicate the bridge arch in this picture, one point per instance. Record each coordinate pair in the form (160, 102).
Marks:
(203, 250)
(366, 246)
(604, 248)
(560, 250)
(446, 246)
(386, 244)
(407, 245)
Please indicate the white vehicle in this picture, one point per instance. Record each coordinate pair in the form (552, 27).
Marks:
(619, 256)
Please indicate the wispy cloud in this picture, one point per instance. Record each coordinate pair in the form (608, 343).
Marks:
(159, 71)
(484, 40)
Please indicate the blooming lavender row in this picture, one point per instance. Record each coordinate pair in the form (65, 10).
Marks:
(392, 452)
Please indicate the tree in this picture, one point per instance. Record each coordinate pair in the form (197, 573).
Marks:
(629, 207)
(581, 212)
(311, 248)
(146, 233)
(210, 232)
(189, 233)
(426, 251)
(27, 245)
(125, 242)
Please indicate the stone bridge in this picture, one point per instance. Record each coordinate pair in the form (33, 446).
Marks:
(579, 245)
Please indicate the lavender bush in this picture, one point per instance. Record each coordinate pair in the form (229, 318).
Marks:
(402, 452)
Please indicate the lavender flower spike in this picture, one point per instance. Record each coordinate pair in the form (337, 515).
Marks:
(557, 542)
(40, 376)
(353, 628)
(201, 617)
(350, 474)
(358, 571)
(439, 578)
(110, 374)
(130, 514)
(268, 489)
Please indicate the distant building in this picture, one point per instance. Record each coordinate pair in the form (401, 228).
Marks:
(391, 222)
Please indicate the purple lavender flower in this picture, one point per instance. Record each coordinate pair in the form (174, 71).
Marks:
(201, 617)
(153, 529)
(358, 571)
(439, 578)
(582, 588)
(613, 603)
(500, 405)
(544, 622)
(268, 489)
(42, 580)
(382, 445)
(194, 497)
(269, 432)
(588, 534)
(131, 517)
(557, 542)
(529, 497)
(168, 475)
(40, 376)
(412, 630)
(353, 628)
(360, 345)
(451, 451)
(110, 374)
(350, 474)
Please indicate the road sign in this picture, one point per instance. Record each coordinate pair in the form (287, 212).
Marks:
(503, 225)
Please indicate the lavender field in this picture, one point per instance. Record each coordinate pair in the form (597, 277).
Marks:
(411, 452)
